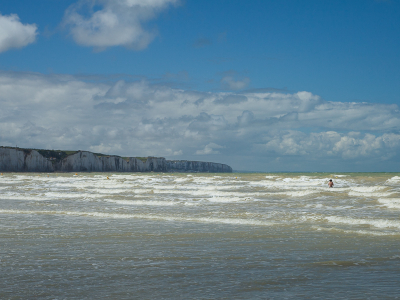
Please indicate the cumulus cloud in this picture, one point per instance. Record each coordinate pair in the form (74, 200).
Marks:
(107, 23)
(14, 34)
(209, 149)
(242, 129)
(348, 146)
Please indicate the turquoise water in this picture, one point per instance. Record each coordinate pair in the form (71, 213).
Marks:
(199, 236)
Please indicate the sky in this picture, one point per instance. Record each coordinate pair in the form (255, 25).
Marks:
(291, 86)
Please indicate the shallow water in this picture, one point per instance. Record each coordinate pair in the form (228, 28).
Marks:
(199, 236)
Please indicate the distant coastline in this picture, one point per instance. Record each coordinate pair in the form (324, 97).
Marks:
(14, 159)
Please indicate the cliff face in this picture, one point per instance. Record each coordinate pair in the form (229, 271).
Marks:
(197, 166)
(27, 160)
(84, 161)
(12, 160)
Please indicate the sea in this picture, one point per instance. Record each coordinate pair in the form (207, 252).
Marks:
(199, 236)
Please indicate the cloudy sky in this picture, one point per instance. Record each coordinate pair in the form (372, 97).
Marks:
(260, 85)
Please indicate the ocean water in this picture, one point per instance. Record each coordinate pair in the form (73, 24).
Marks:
(199, 236)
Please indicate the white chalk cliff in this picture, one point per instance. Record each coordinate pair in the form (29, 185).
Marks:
(29, 160)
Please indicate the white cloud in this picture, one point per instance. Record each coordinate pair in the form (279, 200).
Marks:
(136, 118)
(116, 23)
(209, 149)
(170, 152)
(229, 83)
(347, 146)
(14, 34)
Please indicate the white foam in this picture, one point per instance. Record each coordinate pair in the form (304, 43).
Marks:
(379, 223)
(228, 199)
(63, 195)
(143, 202)
(46, 196)
(230, 221)
(233, 221)
(110, 191)
(390, 202)
(305, 180)
(180, 180)
(361, 232)
(206, 180)
(190, 203)
(278, 199)
(337, 189)
(367, 189)
(142, 191)
(296, 183)
(300, 193)
(23, 197)
(394, 179)
(192, 187)
(370, 194)
(195, 193)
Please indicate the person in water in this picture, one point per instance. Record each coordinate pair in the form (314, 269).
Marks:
(330, 183)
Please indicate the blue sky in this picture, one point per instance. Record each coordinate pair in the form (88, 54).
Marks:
(259, 85)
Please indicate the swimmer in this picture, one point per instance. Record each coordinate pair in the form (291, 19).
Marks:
(330, 183)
